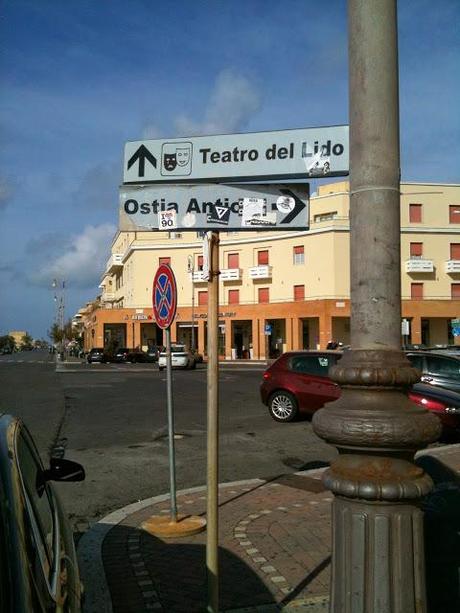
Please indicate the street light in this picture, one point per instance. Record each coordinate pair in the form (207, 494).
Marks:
(191, 270)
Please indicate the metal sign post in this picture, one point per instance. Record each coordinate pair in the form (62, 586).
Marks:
(212, 551)
(164, 298)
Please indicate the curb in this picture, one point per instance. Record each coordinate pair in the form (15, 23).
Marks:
(97, 596)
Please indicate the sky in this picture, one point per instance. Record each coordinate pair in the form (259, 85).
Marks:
(80, 78)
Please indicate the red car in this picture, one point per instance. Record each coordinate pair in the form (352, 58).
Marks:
(298, 383)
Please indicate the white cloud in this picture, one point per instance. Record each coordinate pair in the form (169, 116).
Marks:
(233, 102)
(82, 264)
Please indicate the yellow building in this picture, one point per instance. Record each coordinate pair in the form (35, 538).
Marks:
(283, 290)
(18, 336)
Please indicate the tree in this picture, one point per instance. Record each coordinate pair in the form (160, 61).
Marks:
(7, 344)
(27, 342)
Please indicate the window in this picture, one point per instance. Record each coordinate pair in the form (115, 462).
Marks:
(455, 251)
(415, 213)
(40, 503)
(233, 296)
(325, 216)
(299, 292)
(416, 250)
(262, 258)
(312, 364)
(454, 214)
(445, 367)
(455, 290)
(233, 260)
(164, 261)
(416, 361)
(416, 291)
(299, 255)
(200, 262)
(264, 295)
(203, 298)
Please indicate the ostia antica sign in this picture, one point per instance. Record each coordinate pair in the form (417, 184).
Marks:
(206, 207)
(278, 155)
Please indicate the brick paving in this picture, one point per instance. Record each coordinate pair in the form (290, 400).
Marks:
(274, 540)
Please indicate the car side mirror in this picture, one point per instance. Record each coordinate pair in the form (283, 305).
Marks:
(64, 470)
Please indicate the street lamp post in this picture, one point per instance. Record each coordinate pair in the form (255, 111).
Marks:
(377, 551)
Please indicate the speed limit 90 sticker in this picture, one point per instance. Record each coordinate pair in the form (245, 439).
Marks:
(167, 220)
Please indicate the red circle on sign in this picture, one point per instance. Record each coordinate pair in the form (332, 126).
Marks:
(164, 296)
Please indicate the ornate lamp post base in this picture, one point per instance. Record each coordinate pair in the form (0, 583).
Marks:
(378, 560)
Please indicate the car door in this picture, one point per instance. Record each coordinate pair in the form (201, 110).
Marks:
(310, 378)
(42, 529)
(443, 371)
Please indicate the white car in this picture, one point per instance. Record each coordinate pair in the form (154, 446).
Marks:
(180, 358)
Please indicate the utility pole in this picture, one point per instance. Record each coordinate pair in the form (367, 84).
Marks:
(378, 553)
(191, 270)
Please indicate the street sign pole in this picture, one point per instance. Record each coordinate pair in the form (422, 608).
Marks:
(164, 298)
(172, 453)
(212, 553)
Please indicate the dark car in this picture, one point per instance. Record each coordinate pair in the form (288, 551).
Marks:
(437, 368)
(298, 383)
(151, 355)
(39, 570)
(120, 355)
(96, 354)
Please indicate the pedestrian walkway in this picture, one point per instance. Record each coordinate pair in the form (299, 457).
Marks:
(274, 541)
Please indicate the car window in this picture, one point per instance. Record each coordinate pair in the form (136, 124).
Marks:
(416, 361)
(312, 364)
(437, 365)
(38, 497)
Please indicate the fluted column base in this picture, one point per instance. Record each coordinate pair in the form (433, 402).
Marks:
(378, 558)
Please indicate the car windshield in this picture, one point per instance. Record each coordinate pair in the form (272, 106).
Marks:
(178, 348)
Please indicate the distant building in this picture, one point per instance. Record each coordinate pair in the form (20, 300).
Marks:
(282, 290)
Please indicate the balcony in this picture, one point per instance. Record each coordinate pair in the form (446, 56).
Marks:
(231, 274)
(260, 272)
(108, 297)
(114, 263)
(197, 277)
(452, 266)
(419, 265)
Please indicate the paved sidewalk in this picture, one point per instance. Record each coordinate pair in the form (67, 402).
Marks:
(274, 549)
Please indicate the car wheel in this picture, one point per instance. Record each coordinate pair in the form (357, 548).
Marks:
(283, 406)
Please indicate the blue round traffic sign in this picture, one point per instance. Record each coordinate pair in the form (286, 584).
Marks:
(164, 296)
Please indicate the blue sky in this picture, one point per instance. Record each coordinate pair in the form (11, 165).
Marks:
(79, 78)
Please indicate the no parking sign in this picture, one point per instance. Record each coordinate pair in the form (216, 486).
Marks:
(164, 296)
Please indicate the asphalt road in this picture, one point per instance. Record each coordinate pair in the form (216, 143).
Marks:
(113, 419)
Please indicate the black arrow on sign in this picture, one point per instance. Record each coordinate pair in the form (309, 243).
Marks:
(299, 206)
(142, 154)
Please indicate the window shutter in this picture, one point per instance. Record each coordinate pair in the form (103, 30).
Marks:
(416, 291)
(233, 296)
(164, 261)
(455, 290)
(454, 213)
(262, 258)
(264, 294)
(200, 262)
(415, 213)
(299, 292)
(203, 298)
(416, 249)
(455, 251)
(233, 260)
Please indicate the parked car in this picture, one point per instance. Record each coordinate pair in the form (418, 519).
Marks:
(96, 354)
(37, 552)
(151, 355)
(120, 354)
(437, 368)
(298, 383)
(445, 403)
(181, 357)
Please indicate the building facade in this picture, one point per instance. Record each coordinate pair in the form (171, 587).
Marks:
(282, 290)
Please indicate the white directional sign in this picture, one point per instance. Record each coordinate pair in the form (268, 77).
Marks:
(214, 207)
(278, 155)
